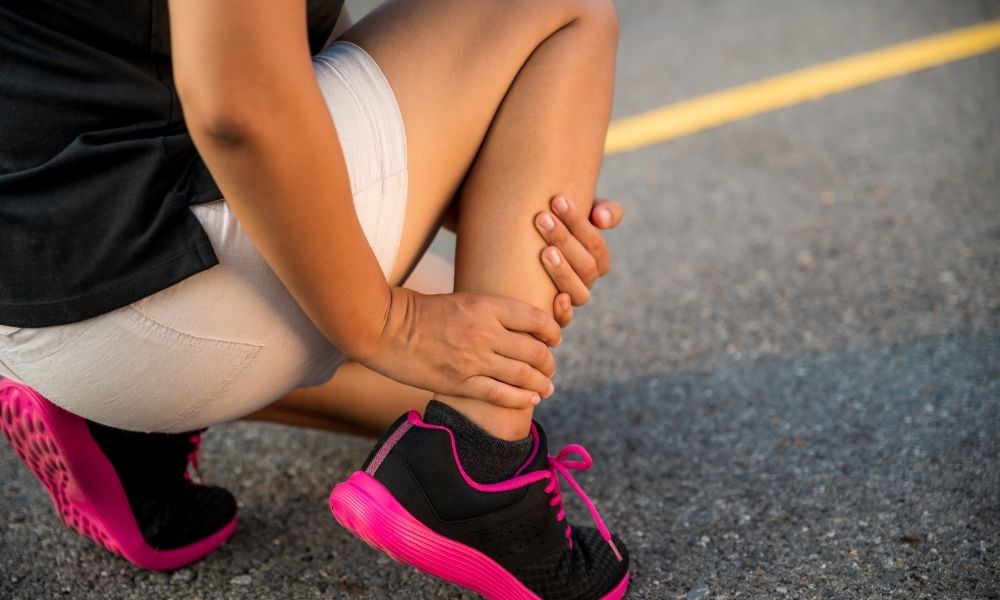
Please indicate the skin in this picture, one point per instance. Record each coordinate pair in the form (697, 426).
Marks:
(533, 102)
(361, 401)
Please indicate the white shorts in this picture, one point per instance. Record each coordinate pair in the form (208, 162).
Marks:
(229, 340)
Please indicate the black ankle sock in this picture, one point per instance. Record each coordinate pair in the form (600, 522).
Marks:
(486, 458)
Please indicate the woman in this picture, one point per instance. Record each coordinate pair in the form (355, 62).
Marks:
(134, 298)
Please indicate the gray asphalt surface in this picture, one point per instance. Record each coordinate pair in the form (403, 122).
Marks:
(790, 383)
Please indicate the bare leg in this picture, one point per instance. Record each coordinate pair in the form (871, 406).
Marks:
(357, 400)
(513, 112)
(547, 139)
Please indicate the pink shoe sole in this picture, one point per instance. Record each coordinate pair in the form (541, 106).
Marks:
(58, 448)
(368, 510)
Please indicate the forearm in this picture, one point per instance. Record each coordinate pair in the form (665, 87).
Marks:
(292, 195)
(275, 155)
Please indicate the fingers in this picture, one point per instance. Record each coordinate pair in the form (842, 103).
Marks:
(565, 278)
(519, 374)
(589, 236)
(499, 393)
(515, 315)
(526, 349)
(562, 309)
(580, 259)
(606, 214)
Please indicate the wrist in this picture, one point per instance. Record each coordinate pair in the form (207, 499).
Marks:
(386, 329)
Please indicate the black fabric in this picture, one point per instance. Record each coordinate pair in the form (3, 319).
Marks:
(171, 511)
(486, 458)
(589, 571)
(97, 168)
(421, 465)
(518, 529)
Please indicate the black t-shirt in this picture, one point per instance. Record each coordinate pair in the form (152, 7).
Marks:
(97, 168)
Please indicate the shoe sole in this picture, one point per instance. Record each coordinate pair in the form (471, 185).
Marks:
(58, 449)
(368, 510)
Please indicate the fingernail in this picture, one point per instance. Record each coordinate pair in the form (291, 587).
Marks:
(546, 222)
(604, 215)
(559, 204)
(552, 255)
(535, 400)
(552, 390)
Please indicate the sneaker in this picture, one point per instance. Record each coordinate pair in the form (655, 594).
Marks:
(508, 540)
(129, 492)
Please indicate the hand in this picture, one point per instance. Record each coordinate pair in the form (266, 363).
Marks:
(577, 255)
(467, 344)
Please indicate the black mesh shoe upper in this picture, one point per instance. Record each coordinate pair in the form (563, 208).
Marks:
(171, 511)
(519, 529)
(588, 571)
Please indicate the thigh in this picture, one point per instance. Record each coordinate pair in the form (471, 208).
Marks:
(209, 349)
(450, 63)
(125, 369)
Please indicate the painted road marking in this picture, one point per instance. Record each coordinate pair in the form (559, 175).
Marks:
(712, 110)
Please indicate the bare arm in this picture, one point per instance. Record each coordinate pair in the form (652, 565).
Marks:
(245, 78)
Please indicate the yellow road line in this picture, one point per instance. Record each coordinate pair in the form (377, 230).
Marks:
(715, 109)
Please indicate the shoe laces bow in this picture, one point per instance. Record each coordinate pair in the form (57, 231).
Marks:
(561, 465)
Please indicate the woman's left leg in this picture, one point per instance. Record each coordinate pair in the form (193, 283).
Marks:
(528, 86)
(513, 111)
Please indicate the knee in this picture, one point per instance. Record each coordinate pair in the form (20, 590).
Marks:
(600, 17)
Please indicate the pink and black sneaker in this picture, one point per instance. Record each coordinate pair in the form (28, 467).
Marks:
(507, 540)
(129, 492)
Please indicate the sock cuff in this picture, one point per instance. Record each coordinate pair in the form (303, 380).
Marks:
(484, 456)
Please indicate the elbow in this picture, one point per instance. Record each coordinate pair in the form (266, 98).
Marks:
(223, 126)
(223, 130)
(217, 117)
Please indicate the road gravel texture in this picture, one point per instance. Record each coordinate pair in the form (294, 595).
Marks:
(790, 383)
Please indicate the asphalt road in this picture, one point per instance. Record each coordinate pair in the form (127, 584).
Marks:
(790, 383)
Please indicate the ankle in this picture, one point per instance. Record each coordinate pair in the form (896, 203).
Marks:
(505, 423)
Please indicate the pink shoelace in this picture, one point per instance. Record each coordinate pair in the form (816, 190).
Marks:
(193, 460)
(561, 464)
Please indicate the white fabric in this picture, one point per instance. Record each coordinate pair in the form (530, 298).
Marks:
(230, 340)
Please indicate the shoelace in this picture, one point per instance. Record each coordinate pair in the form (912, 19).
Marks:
(561, 464)
(193, 459)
